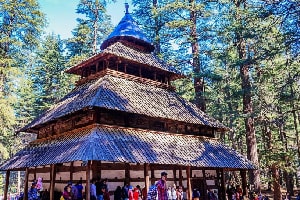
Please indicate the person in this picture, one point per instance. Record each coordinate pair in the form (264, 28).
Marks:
(152, 193)
(138, 187)
(99, 192)
(93, 190)
(298, 196)
(125, 190)
(210, 195)
(39, 187)
(67, 193)
(239, 192)
(118, 193)
(32, 193)
(74, 191)
(195, 194)
(105, 193)
(136, 194)
(169, 193)
(79, 187)
(173, 192)
(161, 186)
(144, 193)
(179, 193)
(130, 193)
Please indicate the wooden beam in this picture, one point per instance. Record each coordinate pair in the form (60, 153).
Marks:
(26, 184)
(146, 176)
(52, 180)
(6, 184)
(88, 181)
(189, 185)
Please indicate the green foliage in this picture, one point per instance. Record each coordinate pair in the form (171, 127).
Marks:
(50, 83)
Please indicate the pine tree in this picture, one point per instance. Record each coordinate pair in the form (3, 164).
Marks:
(50, 82)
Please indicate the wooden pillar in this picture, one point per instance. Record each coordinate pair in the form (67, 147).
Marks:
(6, 184)
(52, 180)
(189, 185)
(244, 182)
(204, 184)
(146, 175)
(26, 184)
(152, 175)
(223, 186)
(127, 173)
(174, 175)
(88, 181)
(180, 176)
(71, 171)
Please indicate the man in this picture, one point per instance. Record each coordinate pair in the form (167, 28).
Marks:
(161, 186)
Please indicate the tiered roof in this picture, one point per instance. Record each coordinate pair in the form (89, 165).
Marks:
(117, 144)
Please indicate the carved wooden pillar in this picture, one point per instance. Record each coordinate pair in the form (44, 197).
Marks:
(6, 184)
(26, 184)
(146, 175)
(189, 185)
(88, 181)
(52, 180)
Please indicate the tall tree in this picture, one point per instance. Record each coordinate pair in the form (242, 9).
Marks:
(49, 80)
(21, 24)
(96, 19)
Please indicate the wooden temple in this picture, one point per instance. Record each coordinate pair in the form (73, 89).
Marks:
(125, 122)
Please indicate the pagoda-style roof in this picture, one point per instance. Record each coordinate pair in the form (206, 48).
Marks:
(129, 54)
(120, 94)
(119, 144)
(128, 30)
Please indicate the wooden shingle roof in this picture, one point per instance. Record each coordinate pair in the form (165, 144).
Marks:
(128, 96)
(119, 144)
(122, 51)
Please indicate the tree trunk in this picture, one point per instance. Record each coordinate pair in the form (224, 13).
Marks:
(254, 175)
(157, 28)
(198, 80)
(276, 182)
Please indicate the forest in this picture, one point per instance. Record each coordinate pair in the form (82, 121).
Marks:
(241, 59)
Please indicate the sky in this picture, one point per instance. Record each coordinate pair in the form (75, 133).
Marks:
(61, 15)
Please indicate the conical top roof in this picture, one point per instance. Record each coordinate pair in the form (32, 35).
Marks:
(128, 30)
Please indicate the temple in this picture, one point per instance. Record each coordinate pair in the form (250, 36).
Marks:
(125, 122)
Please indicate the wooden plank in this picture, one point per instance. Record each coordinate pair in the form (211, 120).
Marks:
(26, 184)
(6, 184)
(52, 180)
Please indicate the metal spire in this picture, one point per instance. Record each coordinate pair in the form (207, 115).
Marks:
(126, 8)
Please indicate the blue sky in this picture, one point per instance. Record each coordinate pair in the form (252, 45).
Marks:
(61, 15)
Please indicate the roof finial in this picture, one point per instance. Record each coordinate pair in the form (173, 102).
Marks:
(126, 7)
